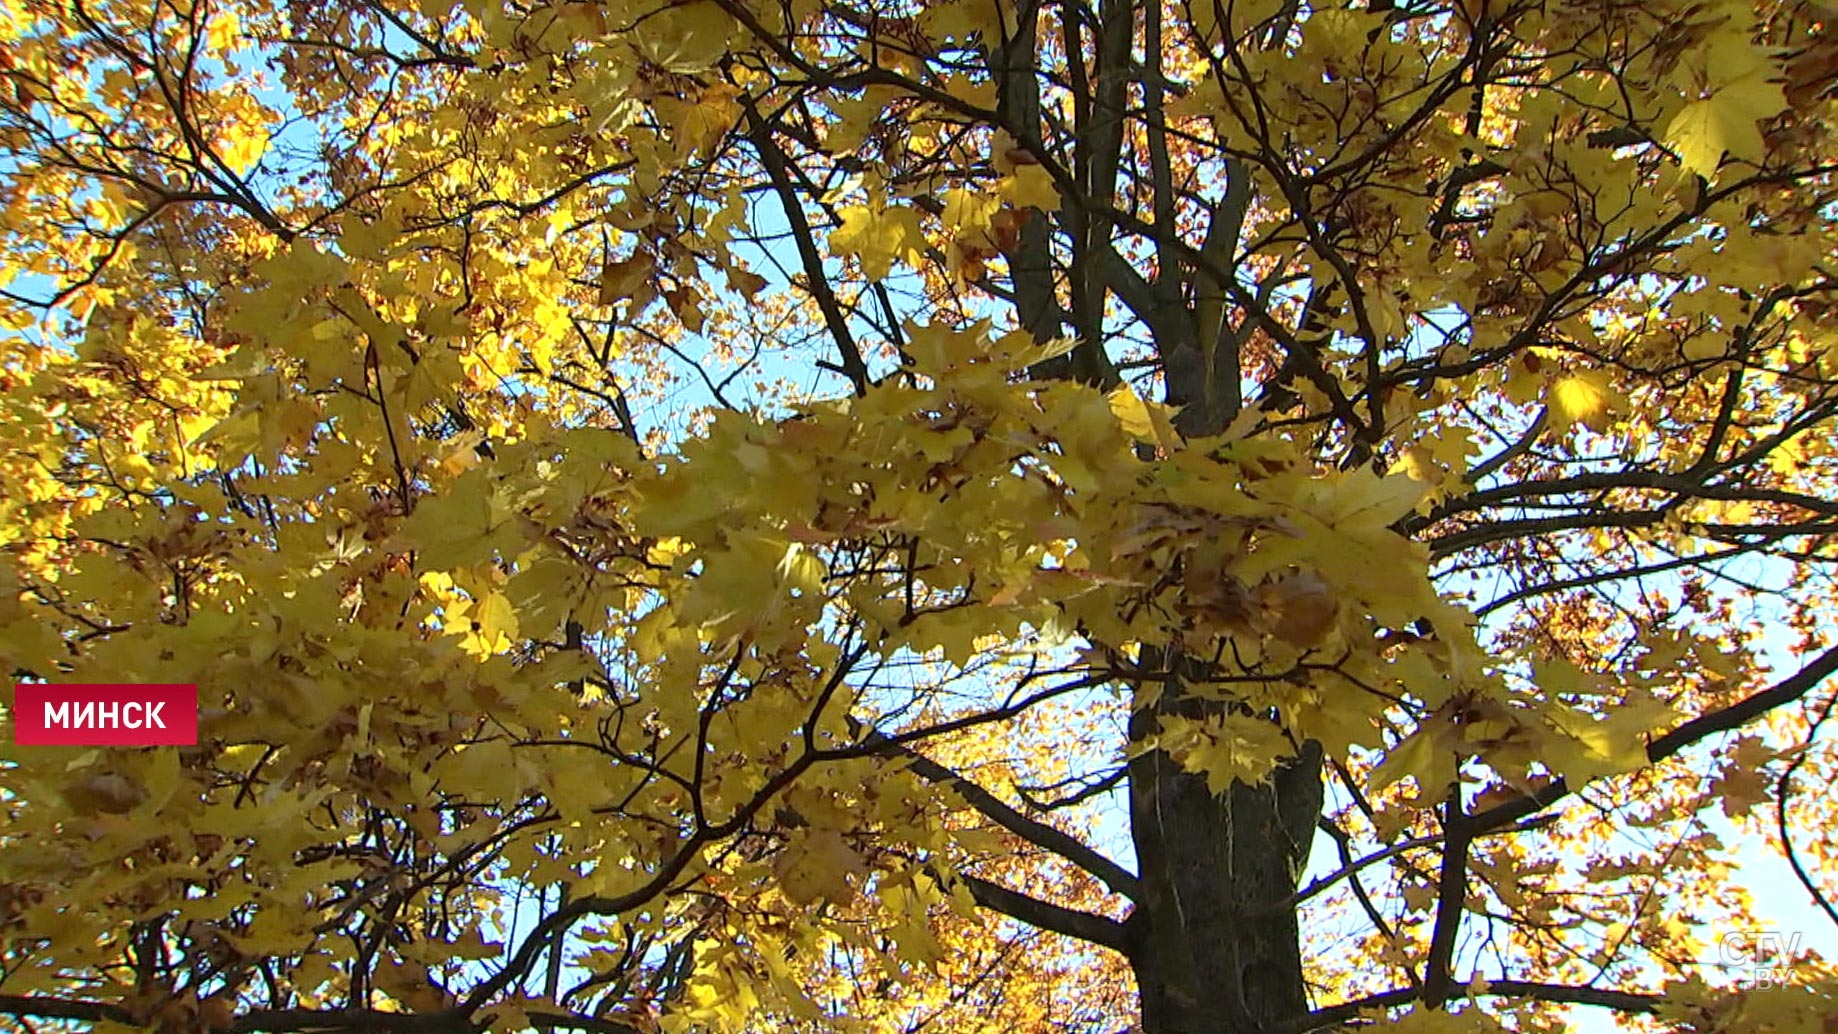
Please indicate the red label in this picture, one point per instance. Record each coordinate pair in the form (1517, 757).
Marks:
(105, 715)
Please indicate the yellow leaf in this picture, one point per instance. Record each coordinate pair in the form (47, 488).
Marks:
(879, 236)
(1143, 421)
(818, 866)
(969, 211)
(1725, 121)
(1030, 186)
(701, 124)
(1583, 397)
(494, 624)
(1364, 501)
(1227, 749)
(241, 150)
(1421, 756)
(683, 38)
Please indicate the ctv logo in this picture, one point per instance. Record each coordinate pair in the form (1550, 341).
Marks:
(105, 715)
(1761, 959)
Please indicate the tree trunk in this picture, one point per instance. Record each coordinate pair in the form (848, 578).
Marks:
(1215, 947)
(1218, 949)
(1219, 946)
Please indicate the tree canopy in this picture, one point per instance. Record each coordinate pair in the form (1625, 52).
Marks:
(868, 515)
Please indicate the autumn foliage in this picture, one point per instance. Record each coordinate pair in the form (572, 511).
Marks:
(875, 515)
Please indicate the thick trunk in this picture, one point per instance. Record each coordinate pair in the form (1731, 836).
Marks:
(1213, 947)
(1219, 951)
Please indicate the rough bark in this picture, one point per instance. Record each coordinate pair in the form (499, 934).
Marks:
(1220, 950)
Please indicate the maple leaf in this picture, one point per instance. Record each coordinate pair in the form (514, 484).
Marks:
(1030, 186)
(1739, 90)
(493, 624)
(969, 212)
(625, 278)
(1305, 608)
(1144, 421)
(1226, 750)
(684, 38)
(1582, 397)
(821, 866)
(877, 237)
(1745, 779)
(1705, 131)
(1426, 755)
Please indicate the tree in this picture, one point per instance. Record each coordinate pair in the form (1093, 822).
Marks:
(843, 514)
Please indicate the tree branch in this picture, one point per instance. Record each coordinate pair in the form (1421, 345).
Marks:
(1045, 915)
(773, 158)
(1567, 994)
(1041, 835)
(1734, 716)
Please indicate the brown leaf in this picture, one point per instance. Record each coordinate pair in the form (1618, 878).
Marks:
(687, 305)
(105, 792)
(1005, 227)
(217, 1013)
(622, 279)
(1215, 597)
(1812, 73)
(746, 282)
(1305, 607)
